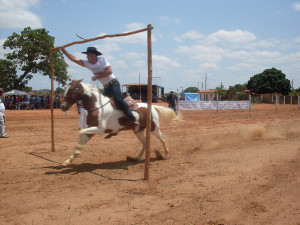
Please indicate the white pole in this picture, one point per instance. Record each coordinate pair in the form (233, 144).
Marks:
(284, 99)
(291, 100)
(249, 103)
(276, 102)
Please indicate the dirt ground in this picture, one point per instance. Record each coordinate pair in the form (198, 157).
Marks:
(226, 167)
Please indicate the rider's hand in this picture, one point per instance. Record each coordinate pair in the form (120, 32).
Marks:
(94, 77)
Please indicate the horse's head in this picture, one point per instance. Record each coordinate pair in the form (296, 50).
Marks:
(73, 94)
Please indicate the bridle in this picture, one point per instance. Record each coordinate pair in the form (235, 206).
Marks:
(71, 99)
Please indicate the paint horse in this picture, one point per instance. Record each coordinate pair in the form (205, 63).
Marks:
(104, 118)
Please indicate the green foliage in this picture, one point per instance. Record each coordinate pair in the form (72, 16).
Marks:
(59, 90)
(30, 55)
(191, 90)
(269, 81)
(295, 92)
(9, 79)
(241, 96)
(240, 87)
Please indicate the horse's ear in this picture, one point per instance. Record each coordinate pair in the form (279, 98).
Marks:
(81, 80)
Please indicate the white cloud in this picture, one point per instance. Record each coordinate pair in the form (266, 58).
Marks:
(163, 62)
(297, 39)
(236, 36)
(16, 14)
(108, 47)
(133, 55)
(192, 35)
(207, 66)
(296, 6)
(165, 20)
(202, 53)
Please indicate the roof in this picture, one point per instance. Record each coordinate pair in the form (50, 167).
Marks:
(141, 84)
(207, 91)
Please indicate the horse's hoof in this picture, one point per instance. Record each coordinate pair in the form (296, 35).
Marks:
(159, 155)
(130, 159)
(66, 163)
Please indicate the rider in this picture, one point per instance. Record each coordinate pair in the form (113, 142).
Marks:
(102, 71)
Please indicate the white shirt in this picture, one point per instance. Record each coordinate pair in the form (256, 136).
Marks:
(2, 106)
(99, 67)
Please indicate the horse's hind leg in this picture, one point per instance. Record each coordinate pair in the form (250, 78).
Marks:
(161, 137)
(140, 135)
(83, 139)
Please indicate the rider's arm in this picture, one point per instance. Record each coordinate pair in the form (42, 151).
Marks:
(72, 57)
(105, 73)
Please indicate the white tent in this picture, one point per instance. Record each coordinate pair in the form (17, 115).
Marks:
(15, 92)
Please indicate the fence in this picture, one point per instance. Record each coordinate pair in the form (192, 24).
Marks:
(271, 99)
(214, 105)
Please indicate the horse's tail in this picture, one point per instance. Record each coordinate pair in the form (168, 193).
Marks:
(167, 113)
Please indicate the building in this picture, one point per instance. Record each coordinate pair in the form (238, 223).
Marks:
(207, 95)
(140, 91)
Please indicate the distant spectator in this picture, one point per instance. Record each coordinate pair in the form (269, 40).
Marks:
(2, 117)
(172, 99)
(82, 115)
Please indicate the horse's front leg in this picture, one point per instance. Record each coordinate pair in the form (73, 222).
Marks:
(84, 136)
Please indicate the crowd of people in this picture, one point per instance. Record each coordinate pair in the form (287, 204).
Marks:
(30, 102)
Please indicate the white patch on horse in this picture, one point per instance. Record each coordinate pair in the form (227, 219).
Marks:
(66, 91)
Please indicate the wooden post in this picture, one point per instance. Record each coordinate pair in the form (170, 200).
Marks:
(298, 102)
(149, 102)
(52, 98)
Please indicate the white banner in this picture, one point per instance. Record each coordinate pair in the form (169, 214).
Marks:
(213, 105)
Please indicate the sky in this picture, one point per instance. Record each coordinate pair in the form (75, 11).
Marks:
(226, 40)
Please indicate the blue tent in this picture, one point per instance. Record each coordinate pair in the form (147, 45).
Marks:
(191, 96)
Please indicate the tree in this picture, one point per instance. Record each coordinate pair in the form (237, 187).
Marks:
(59, 90)
(269, 81)
(30, 55)
(191, 90)
(8, 76)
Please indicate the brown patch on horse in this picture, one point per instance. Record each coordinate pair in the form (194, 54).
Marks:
(110, 134)
(128, 125)
(93, 112)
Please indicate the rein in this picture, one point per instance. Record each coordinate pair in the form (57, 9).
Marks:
(99, 107)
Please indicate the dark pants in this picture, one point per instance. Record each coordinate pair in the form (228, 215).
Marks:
(114, 91)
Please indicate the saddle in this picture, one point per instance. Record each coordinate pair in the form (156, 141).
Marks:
(133, 106)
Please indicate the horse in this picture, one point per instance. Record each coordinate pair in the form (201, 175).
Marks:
(104, 118)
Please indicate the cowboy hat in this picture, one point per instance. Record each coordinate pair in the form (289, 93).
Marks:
(92, 50)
